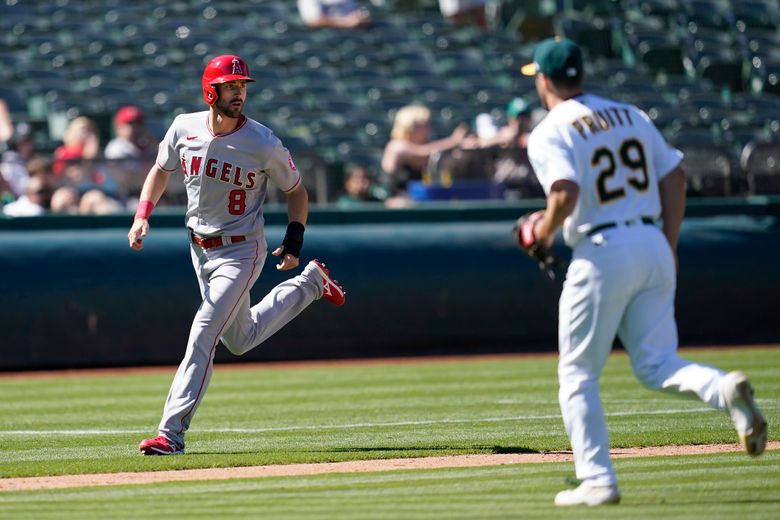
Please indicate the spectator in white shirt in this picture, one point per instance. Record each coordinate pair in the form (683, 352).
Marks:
(34, 202)
(339, 14)
(464, 12)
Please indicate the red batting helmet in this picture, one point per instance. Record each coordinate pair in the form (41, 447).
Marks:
(222, 69)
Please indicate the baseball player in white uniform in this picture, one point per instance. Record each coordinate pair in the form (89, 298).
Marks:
(609, 176)
(226, 161)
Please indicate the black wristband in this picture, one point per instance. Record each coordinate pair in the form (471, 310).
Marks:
(293, 239)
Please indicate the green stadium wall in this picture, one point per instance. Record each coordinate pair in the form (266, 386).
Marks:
(441, 279)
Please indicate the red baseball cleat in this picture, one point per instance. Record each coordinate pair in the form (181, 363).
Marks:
(159, 446)
(331, 290)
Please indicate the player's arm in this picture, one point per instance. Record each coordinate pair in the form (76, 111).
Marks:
(297, 215)
(560, 203)
(154, 186)
(672, 191)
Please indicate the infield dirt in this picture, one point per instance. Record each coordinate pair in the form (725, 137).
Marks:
(359, 466)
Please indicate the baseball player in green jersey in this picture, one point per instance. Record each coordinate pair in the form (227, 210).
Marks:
(609, 176)
(226, 161)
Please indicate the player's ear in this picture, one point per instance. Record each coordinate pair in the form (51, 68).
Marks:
(546, 82)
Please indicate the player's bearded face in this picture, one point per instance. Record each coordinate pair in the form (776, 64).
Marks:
(232, 96)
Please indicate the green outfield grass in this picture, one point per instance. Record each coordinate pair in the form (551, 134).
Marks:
(703, 486)
(274, 415)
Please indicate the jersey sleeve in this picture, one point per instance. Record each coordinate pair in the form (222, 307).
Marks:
(167, 158)
(551, 158)
(281, 168)
(665, 157)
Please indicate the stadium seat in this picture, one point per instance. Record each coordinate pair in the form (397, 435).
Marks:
(761, 111)
(593, 7)
(687, 136)
(711, 14)
(593, 34)
(725, 68)
(664, 9)
(657, 51)
(760, 162)
(755, 14)
(761, 48)
(664, 114)
(704, 41)
(15, 102)
(766, 77)
(708, 169)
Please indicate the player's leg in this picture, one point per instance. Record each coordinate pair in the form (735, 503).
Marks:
(254, 325)
(229, 274)
(589, 312)
(649, 332)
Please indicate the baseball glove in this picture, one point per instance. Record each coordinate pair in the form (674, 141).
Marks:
(526, 238)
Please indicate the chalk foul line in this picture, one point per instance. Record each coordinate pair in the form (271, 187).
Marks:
(348, 426)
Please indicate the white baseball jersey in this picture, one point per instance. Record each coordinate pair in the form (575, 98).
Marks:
(612, 151)
(226, 175)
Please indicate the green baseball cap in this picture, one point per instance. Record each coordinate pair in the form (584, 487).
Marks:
(517, 107)
(558, 58)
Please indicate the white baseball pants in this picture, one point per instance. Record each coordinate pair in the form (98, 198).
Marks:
(620, 281)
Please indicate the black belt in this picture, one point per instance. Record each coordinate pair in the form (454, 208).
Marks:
(608, 225)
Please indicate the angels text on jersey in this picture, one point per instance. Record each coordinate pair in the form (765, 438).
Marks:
(219, 170)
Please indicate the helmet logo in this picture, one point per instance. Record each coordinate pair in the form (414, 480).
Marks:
(237, 67)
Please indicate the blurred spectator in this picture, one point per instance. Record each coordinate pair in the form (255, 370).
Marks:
(359, 187)
(511, 165)
(132, 140)
(513, 134)
(35, 201)
(6, 123)
(464, 12)
(81, 141)
(39, 166)
(407, 154)
(96, 202)
(65, 200)
(13, 168)
(339, 14)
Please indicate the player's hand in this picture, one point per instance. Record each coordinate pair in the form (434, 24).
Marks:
(138, 232)
(286, 262)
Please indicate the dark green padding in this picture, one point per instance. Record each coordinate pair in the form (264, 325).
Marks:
(82, 298)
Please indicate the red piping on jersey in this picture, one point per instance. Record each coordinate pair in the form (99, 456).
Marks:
(241, 123)
(219, 334)
(165, 169)
(294, 185)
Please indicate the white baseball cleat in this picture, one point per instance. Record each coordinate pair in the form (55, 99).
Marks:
(588, 495)
(750, 423)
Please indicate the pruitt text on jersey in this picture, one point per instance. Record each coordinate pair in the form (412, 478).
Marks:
(602, 120)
